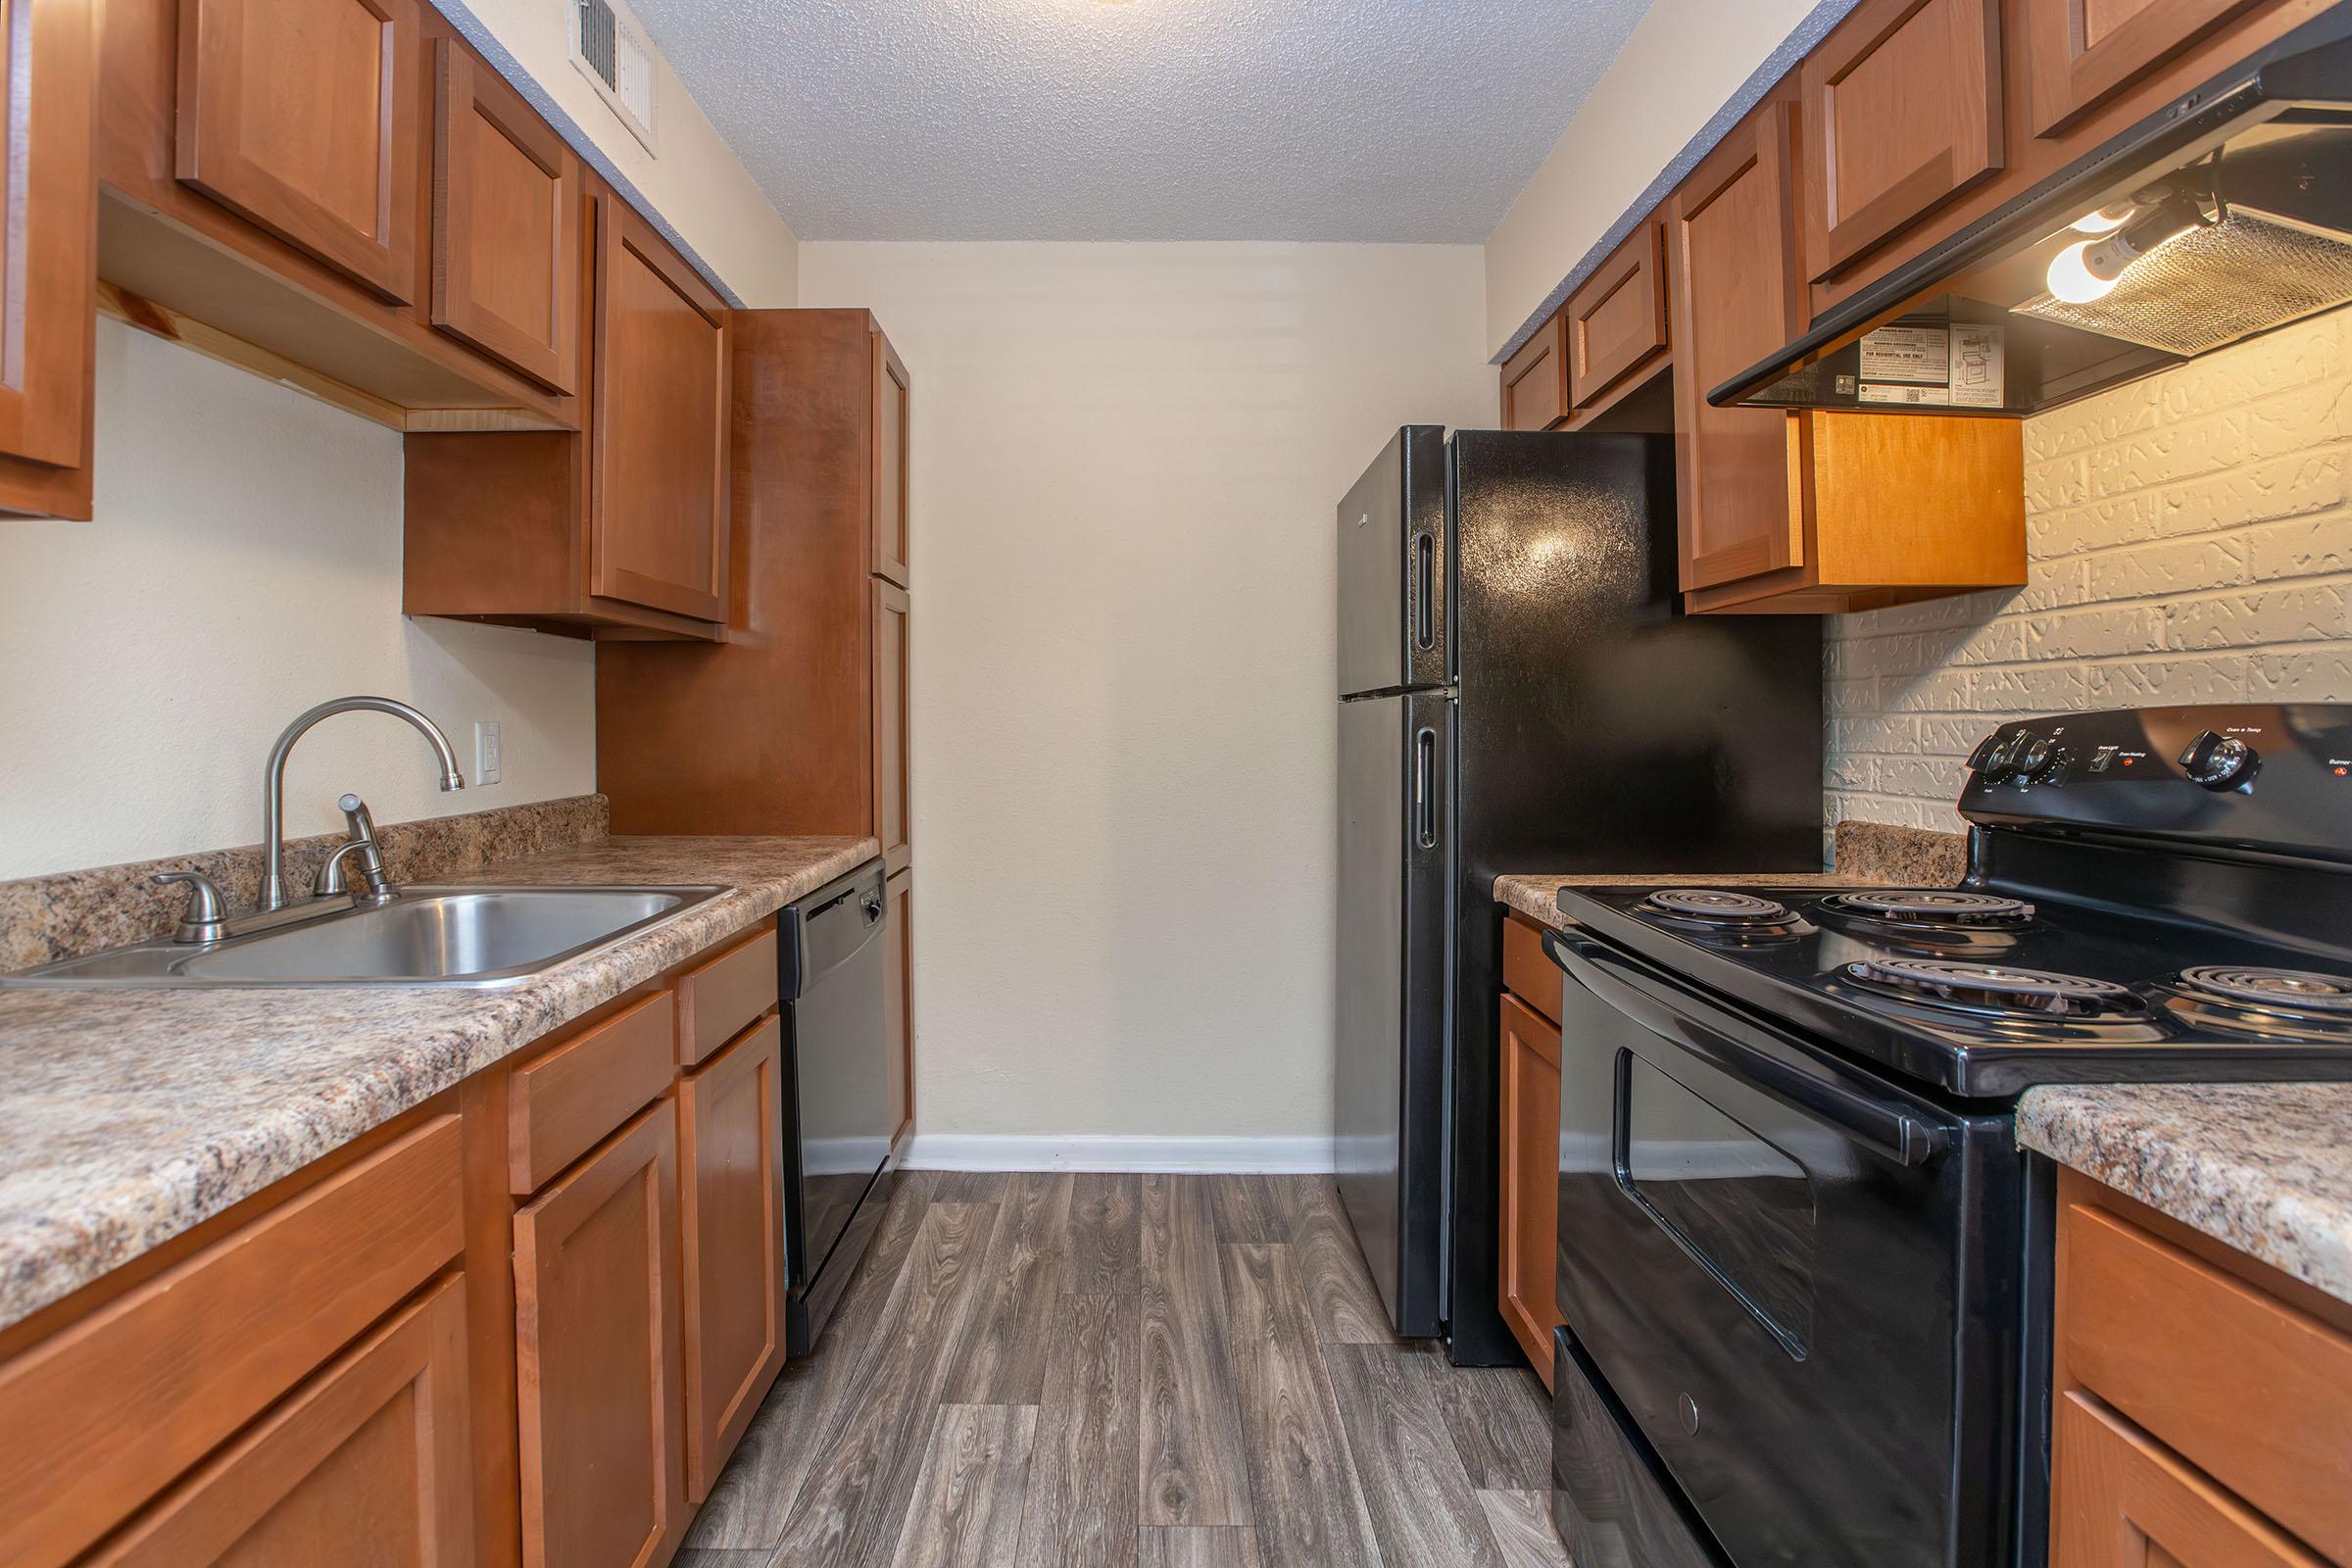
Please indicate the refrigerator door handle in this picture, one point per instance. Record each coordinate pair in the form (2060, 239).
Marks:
(1425, 573)
(1424, 788)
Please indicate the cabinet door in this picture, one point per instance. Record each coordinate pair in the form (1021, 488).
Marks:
(1534, 380)
(303, 116)
(48, 227)
(898, 998)
(2118, 1500)
(1902, 112)
(892, 454)
(597, 1357)
(505, 224)
(890, 737)
(1617, 321)
(731, 1136)
(366, 1465)
(1530, 1173)
(2080, 52)
(1732, 255)
(658, 524)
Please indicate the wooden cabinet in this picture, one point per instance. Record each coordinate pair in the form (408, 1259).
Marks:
(898, 998)
(2204, 1401)
(1534, 380)
(892, 616)
(657, 501)
(2080, 52)
(731, 1212)
(507, 204)
(1807, 513)
(1530, 1212)
(301, 117)
(1616, 322)
(1902, 112)
(48, 247)
(365, 1464)
(622, 530)
(598, 1349)
(893, 455)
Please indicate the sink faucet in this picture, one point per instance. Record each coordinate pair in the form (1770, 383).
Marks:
(274, 778)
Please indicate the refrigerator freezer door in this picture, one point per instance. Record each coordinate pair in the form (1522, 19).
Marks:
(1394, 615)
(1395, 833)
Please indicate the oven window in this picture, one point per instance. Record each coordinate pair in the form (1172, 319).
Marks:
(1738, 1205)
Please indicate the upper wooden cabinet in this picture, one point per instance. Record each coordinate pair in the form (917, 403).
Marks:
(1733, 263)
(657, 525)
(1616, 322)
(1535, 379)
(1902, 112)
(892, 455)
(303, 117)
(48, 247)
(1807, 513)
(506, 223)
(2080, 51)
(623, 530)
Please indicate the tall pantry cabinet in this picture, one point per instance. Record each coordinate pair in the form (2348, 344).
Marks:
(797, 722)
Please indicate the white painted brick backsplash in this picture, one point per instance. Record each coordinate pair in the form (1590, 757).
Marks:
(2191, 538)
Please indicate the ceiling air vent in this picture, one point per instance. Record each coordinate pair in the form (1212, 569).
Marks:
(611, 51)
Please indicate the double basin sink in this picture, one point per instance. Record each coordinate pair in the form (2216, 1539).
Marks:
(477, 937)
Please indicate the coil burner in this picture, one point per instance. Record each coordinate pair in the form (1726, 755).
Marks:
(1712, 906)
(1949, 908)
(2269, 1004)
(1995, 987)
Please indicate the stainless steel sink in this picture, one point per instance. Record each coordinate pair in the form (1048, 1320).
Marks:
(429, 936)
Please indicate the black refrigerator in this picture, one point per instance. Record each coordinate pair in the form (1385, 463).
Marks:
(1519, 692)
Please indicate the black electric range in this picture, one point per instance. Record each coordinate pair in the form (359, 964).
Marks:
(1798, 1246)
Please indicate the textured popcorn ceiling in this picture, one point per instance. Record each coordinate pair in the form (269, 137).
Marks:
(1101, 120)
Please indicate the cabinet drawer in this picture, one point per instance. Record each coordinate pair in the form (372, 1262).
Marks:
(2246, 1388)
(1527, 973)
(95, 1420)
(569, 1101)
(721, 997)
(1617, 322)
(378, 1437)
(2119, 1500)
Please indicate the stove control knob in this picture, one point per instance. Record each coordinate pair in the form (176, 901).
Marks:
(2002, 762)
(2034, 757)
(2053, 770)
(2219, 762)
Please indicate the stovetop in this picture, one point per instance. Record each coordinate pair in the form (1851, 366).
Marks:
(1982, 992)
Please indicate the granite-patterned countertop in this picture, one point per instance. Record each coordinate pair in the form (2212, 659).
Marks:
(129, 1116)
(2266, 1168)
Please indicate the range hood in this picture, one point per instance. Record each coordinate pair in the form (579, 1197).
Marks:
(2224, 215)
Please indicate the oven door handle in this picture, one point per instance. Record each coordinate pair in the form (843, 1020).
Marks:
(1888, 1128)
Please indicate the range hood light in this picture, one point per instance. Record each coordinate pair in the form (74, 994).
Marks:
(2107, 219)
(2088, 268)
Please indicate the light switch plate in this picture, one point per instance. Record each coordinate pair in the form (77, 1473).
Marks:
(486, 750)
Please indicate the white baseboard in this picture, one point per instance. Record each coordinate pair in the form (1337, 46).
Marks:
(1116, 1152)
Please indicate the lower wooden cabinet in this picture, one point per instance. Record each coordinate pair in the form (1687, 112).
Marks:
(366, 1465)
(2203, 1400)
(598, 1346)
(731, 1204)
(2124, 1502)
(898, 997)
(1530, 1214)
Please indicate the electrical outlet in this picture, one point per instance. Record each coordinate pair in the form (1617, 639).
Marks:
(486, 750)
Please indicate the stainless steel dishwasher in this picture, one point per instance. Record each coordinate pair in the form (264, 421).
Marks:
(838, 1118)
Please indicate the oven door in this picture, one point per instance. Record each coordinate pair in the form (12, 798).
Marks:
(1798, 1280)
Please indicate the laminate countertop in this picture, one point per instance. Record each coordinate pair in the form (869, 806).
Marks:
(129, 1116)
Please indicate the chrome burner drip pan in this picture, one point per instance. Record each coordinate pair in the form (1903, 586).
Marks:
(2294, 990)
(1995, 987)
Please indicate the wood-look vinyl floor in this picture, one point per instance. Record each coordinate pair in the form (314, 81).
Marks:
(1093, 1371)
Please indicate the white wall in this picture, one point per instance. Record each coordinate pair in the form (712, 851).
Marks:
(1684, 59)
(696, 184)
(1126, 463)
(2192, 542)
(243, 565)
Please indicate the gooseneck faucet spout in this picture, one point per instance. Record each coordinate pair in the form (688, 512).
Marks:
(273, 777)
